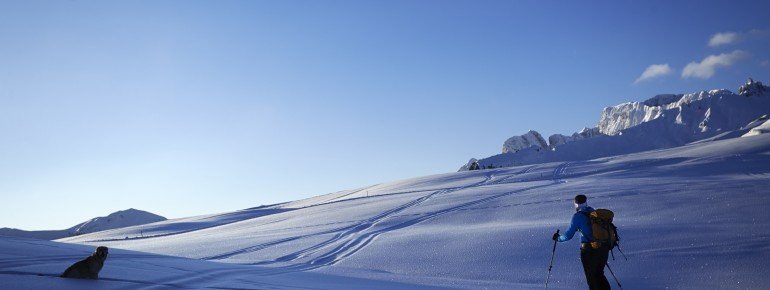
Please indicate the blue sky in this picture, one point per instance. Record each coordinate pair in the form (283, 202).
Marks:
(192, 107)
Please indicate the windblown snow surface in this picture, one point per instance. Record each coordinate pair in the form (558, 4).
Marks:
(690, 217)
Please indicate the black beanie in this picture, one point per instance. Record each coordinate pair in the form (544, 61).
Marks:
(580, 199)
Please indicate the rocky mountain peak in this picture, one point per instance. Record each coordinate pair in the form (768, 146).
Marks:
(752, 88)
(530, 139)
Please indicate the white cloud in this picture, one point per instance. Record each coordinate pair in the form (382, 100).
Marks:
(723, 38)
(759, 33)
(706, 68)
(653, 71)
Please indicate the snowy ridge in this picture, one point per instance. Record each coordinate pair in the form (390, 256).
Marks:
(663, 121)
(618, 118)
(119, 219)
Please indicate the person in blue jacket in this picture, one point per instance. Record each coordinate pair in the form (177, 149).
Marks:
(593, 260)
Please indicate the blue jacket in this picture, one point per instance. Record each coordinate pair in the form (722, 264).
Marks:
(580, 222)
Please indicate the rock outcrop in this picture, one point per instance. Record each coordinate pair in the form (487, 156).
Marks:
(530, 139)
(752, 88)
(559, 139)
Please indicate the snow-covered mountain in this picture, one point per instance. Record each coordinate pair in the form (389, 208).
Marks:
(119, 219)
(663, 121)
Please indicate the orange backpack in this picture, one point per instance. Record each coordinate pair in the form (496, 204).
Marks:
(604, 231)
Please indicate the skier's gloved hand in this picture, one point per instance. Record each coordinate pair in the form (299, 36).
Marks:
(555, 236)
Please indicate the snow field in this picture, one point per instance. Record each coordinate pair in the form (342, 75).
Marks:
(690, 217)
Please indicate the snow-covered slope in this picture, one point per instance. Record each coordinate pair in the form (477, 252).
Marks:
(663, 121)
(690, 217)
(36, 264)
(119, 219)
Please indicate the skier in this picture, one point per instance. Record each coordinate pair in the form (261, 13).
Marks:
(593, 260)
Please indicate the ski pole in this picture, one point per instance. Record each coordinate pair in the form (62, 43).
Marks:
(621, 251)
(613, 276)
(553, 252)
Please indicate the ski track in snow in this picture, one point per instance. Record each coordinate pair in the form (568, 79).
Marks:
(560, 171)
(350, 239)
(342, 197)
(344, 234)
(523, 171)
(353, 239)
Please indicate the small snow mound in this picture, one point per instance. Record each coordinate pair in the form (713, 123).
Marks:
(759, 128)
(756, 122)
